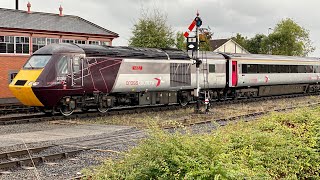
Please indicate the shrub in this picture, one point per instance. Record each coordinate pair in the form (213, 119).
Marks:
(281, 145)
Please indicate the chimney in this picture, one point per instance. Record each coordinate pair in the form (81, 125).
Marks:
(29, 6)
(60, 9)
(17, 4)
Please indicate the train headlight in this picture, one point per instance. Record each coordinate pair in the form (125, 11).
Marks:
(35, 84)
(31, 83)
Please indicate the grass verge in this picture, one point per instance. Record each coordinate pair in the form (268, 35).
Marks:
(278, 146)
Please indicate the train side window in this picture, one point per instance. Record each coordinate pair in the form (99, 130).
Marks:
(252, 68)
(293, 69)
(273, 68)
(283, 69)
(309, 69)
(316, 69)
(244, 69)
(62, 65)
(263, 68)
(212, 68)
(301, 69)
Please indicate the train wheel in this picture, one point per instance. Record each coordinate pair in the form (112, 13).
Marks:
(183, 102)
(103, 109)
(66, 111)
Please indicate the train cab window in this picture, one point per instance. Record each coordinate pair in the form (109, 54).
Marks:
(37, 62)
(212, 68)
(252, 68)
(62, 66)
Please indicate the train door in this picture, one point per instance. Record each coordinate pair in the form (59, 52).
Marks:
(77, 73)
(234, 73)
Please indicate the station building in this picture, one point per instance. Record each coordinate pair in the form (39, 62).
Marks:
(24, 32)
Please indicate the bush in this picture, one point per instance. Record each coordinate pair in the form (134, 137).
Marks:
(282, 145)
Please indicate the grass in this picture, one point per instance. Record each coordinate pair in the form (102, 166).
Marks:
(277, 146)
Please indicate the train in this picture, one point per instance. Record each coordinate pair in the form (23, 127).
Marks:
(68, 77)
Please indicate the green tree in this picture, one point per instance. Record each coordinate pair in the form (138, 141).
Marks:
(241, 40)
(289, 39)
(258, 44)
(152, 31)
(180, 41)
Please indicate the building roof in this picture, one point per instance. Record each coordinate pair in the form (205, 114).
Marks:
(18, 19)
(216, 43)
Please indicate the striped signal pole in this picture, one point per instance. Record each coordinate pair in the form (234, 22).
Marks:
(197, 22)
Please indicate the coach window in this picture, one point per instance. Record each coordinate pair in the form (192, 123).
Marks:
(212, 68)
(252, 68)
(283, 69)
(263, 68)
(301, 69)
(293, 69)
(316, 69)
(309, 69)
(273, 69)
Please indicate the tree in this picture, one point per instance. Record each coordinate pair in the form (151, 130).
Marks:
(258, 44)
(152, 31)
(289, 39)
(205, 36)
(242, 41)
(180, 41)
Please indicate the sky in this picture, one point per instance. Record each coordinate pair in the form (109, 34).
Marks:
(224, 17)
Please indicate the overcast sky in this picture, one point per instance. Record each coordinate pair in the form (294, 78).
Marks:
(224, 17)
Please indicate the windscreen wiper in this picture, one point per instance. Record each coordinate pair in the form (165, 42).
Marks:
(30, 65)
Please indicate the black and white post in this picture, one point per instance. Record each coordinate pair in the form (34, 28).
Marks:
(198, 63)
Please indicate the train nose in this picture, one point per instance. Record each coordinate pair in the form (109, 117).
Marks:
(21, 87)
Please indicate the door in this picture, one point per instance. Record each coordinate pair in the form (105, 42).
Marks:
(234, 73)
(77, 73)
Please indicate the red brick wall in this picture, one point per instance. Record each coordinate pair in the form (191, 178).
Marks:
(9, 63)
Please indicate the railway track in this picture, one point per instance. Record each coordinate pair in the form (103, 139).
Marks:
(31, 158)
(40, 117)
(15, 108)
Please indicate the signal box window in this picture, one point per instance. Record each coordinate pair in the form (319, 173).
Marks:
(6, 44)
(212, 68)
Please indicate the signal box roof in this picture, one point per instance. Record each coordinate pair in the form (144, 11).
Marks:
(17, 19)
